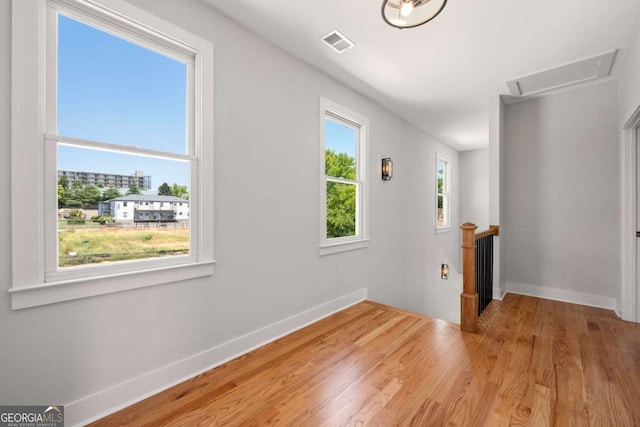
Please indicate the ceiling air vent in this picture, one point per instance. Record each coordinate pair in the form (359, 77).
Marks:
(337, 41)
(576, 72)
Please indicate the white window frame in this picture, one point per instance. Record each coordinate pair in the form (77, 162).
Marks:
(34, 150)
(446, 194)
(357, 121)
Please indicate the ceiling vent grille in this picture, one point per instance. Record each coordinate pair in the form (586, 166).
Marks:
(337, 41)
(592, 68)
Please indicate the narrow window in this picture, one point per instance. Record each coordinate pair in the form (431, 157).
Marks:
(344, 187)
(442, 194)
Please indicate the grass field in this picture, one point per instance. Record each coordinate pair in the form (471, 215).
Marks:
(63, 225)
(78, 246)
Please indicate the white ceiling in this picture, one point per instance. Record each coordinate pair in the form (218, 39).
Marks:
(441, 75)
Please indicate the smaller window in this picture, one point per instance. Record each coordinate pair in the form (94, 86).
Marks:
(443, 218)
(343, 185)
(124, 204)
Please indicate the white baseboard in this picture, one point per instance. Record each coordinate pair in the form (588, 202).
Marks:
(564, 295)
(98, 405)
(498, 293)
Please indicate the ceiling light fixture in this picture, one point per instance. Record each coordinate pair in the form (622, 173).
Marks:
(410, 13)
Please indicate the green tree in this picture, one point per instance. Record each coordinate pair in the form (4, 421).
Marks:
(164, 190)
(63, 190)
(62, 196)
(64, 181)
(341, 209)
(74, 196)
(111, 193)
(339, 165)
(133, 187)
(90, 195)
(180, 191)
(341, 197)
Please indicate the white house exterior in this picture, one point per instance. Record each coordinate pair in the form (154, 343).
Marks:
(141, 208)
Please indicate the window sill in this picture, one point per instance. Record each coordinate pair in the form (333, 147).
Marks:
(333, 248)
(443, 229)
(66, 290)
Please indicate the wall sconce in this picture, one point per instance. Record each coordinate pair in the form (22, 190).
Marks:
(444, 271)
(387, 169)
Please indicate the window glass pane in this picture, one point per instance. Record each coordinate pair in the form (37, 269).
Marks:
(341, 143)
(110, 210)
(441, 173)
(341, 209)
(115, 91)
(441, 220)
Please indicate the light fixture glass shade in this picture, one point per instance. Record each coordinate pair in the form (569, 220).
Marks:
(444, 271)
(387, 169)
(423, 11)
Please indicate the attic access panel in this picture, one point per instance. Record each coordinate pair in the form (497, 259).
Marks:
(584, 70)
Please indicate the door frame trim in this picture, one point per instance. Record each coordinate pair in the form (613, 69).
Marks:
(629, 198)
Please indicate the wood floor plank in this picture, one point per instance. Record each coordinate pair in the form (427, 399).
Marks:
(533, 362)
(541, 408)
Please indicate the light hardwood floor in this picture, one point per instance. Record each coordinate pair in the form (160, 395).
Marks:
(534, 362)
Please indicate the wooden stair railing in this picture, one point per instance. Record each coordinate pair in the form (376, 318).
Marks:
(469, 296)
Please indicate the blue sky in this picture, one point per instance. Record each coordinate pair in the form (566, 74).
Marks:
(115, 91)
(340, 138)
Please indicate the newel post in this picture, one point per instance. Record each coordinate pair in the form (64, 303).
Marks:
(469, 297)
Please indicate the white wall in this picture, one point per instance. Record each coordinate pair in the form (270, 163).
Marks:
(474, 187)
(419, 288)
(629, 83)
(560, 235)
(497, 136)
(266, 230)
(628, 103)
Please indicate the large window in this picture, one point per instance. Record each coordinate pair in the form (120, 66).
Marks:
(127, 104)
(443, 219)
(343, 139)
(113, 101)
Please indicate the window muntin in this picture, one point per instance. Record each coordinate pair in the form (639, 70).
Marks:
(343, 190)
(443, 219)
(35, 280)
